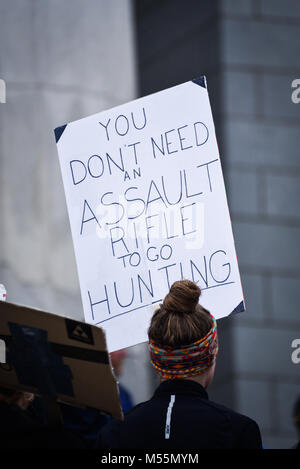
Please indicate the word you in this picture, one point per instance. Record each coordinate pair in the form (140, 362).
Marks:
(2, 91)
(296, 93)
(296, 353)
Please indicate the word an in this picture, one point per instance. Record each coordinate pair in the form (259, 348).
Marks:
(296, 92)
(2, 91)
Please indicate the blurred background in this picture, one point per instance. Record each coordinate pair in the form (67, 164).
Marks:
(65, 59)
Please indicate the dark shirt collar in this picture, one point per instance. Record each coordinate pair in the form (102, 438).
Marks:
(181, 386)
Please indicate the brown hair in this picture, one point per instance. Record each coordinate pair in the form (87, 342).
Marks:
(180, 320)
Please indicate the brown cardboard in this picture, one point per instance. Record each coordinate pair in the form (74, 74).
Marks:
(63, 346)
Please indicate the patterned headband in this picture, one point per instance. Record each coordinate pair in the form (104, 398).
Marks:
(187, 360)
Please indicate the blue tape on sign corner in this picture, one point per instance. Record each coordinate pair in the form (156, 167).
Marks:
(59, 131)
(201, 81)
(239, 309)
(35, 363)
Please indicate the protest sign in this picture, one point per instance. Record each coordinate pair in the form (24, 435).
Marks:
(147, 206)
(57, 357)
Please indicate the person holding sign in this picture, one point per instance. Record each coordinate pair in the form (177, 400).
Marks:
(183, 346)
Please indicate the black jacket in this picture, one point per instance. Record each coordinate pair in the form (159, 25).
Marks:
(18, 430)
(188, 420)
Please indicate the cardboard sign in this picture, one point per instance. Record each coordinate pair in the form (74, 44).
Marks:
(54, 356)
(147, 206)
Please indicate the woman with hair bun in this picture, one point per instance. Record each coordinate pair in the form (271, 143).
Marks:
(183, 345)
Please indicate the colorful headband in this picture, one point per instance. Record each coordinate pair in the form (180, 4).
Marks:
(188, 360)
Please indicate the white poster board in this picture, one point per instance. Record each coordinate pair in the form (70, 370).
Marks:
(147, 206)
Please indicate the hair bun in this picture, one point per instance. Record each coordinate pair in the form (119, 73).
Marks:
(183, 297)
